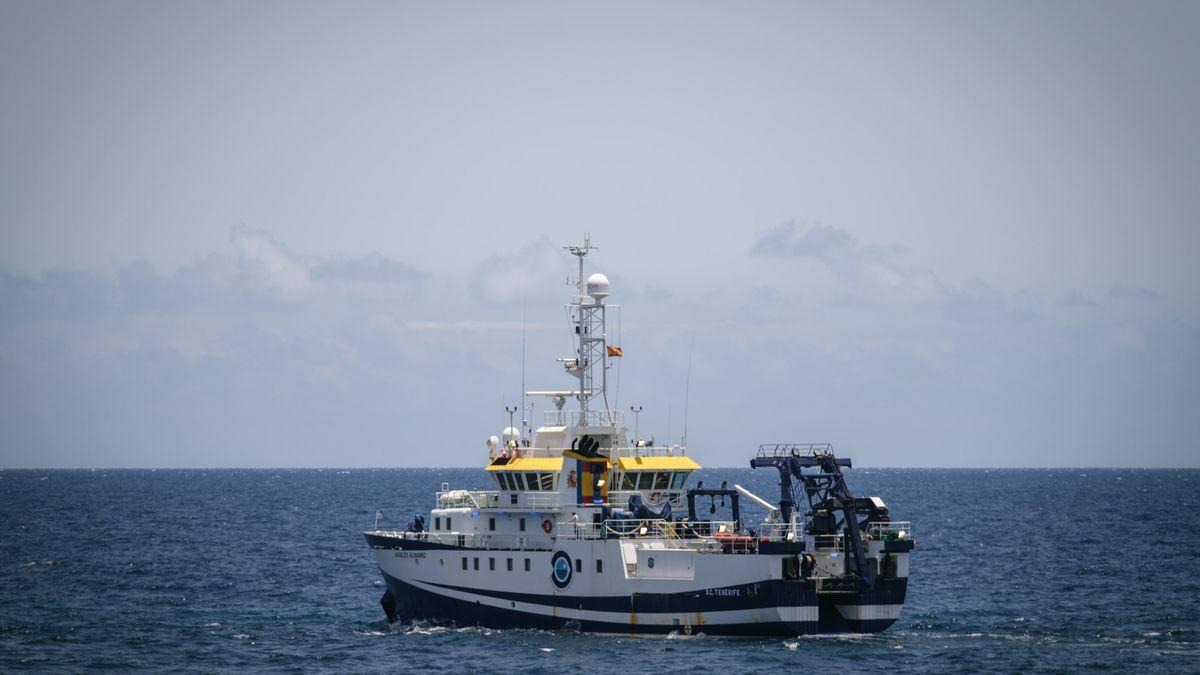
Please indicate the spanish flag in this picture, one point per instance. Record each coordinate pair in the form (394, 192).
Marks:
(614, 351)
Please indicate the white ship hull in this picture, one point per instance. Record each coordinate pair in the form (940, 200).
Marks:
(646, 587)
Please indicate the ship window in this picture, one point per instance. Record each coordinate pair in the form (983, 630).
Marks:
(448, 523)
(510, 564)
(503, 480)
(522, 524)
(599, 566)
(547, 481)
(678, 480)
(629, 481)
(464, 563)
(476, 564)
(492, 564)
(527, 564)
(662, 481)
(579, 565)
(437, 523)
(645, 480)
(492, 524)
(518, 480)
(531, 481)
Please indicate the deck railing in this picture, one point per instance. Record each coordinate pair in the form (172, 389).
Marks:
(641, 528)
(490, 499)
(793, 449)
(525, 541)
(573, 418)
(620, 498)
(896, 529)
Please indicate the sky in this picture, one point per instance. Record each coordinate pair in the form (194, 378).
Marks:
(319, 234)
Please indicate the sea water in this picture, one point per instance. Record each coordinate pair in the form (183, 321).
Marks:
(1014, 570)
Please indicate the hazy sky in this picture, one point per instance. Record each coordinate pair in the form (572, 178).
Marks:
(290, 234)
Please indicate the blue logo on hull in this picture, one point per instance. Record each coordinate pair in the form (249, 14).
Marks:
(560, 569)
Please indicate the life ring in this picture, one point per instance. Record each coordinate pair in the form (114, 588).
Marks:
(547, 525)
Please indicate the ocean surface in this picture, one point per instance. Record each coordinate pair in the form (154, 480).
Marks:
(1014, 570)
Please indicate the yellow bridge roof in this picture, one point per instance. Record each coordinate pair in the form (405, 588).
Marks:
(658, 464)
(529, 464)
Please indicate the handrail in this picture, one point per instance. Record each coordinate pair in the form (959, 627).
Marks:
(621, 497)
(522, 452)
(793, 449)
(593, 418)
(896, 529)
(634, 528)
(490, 499)
(829, 542)
(529, 541)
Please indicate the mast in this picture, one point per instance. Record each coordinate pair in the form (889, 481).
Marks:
(588, 317)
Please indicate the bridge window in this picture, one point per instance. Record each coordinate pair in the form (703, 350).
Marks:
(678, 480)
(547, 480)
(629, 481)
(662, 481)
(645, 480)
(502, 480)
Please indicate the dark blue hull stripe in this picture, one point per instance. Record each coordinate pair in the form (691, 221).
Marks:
(404, 601)
(767, 593)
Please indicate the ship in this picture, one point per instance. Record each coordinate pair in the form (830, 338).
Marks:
(590, 528)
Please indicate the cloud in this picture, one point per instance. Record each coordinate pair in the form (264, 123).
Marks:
(370, 277)
(1077, 299)
(870, 274)
(267, 264)
(1133, 292)
(537, 268)
(829, 244)
(878, 276)
(473, 326)
(263, 275)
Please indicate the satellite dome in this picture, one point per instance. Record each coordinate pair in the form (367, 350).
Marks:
(511, 434)
(597, 286)
(492, 442)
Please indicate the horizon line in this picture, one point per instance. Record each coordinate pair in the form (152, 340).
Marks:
(710, 468)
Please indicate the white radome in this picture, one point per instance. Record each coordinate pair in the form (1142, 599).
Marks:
(511, 434)
(597, 286)
(492, 442)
